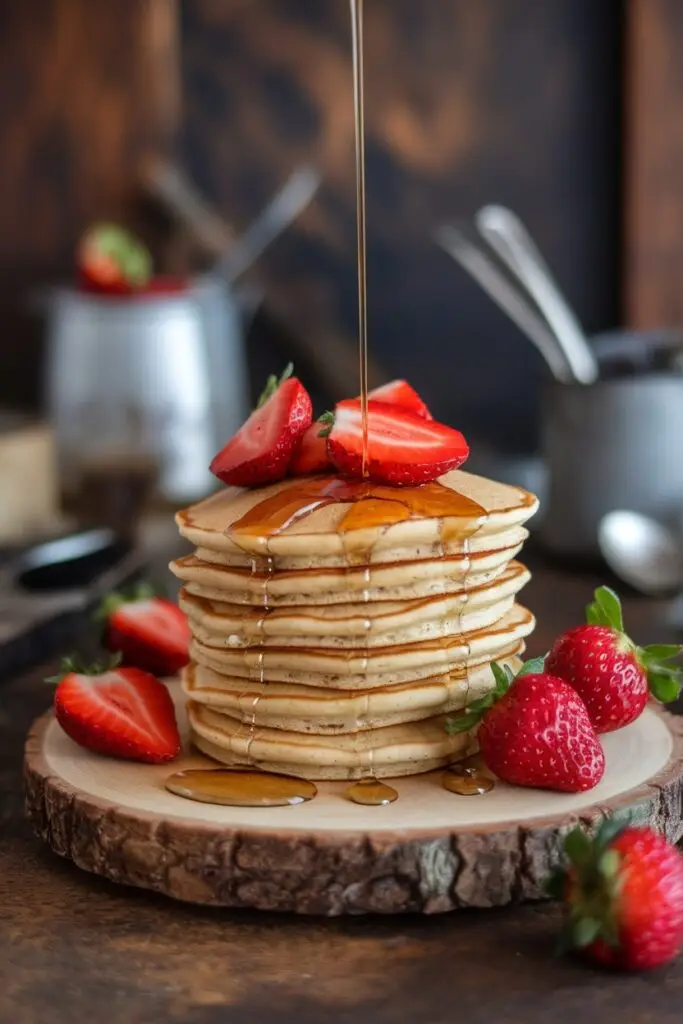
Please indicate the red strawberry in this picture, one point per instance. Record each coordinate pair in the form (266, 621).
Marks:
(610, 673)
(122, 712)
(403, 449)
(535, 731)
(623, 894)
(262, 449)
(112, 262)
(400, 392)
(311, 455)
(148, 632)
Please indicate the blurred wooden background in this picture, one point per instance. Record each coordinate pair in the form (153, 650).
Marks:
(509, 100)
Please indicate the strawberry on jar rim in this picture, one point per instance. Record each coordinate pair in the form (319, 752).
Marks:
(117, 711)
(262, 449)
(613, 676)
(622, 892)
(534, 731)
(148, 631)
(112, 261)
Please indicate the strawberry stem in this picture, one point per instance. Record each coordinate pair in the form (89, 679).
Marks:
(327, 421)
(664, 680)
(273, 383)
(504, 678)
(73, 664)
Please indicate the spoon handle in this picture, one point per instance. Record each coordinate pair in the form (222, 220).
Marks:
(507, 235)
(480, 265)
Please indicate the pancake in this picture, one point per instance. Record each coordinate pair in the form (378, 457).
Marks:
(357, 668)
(217, 624)
(388, 752)
(323, 710)
(387, 581)
(336, 624)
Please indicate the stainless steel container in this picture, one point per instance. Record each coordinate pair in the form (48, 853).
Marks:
(160, 376)
(613, 445)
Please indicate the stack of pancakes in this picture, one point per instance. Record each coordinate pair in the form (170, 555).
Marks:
(336, 626)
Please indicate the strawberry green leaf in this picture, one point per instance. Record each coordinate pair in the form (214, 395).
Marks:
(665, 685)
(578, 847)
(462, 723)
(74, 664)
(610, 827)
(532, 667)
(585, 931)
(662, 652)
(609, 864)
(327, 421)
(593, 615)
(112, 602)
(273, 383)
(502, 677)
(605, 610)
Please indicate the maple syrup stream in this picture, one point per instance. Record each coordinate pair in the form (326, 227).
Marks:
(382, 506)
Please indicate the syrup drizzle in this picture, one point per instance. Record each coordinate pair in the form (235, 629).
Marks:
(240, 787)
(468, 778)
(359, 124)
(371, 793)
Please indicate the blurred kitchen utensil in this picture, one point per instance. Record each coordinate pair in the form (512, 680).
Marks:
(474, 258)
(48, 590)
(28, 478)
(507, 235)
(612, 445)
(334, 363)
(642, 552)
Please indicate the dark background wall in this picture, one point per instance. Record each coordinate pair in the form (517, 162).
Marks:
(508, 100)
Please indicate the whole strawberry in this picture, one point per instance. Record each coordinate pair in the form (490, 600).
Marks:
(623, 896)
(612, 675)
(535, 731)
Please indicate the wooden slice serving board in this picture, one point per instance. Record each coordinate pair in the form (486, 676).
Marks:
(430, 851)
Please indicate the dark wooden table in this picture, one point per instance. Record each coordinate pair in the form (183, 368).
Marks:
(75, 949)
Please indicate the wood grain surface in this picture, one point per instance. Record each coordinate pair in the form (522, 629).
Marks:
(74, 948)
(654, 153)
(506, 100)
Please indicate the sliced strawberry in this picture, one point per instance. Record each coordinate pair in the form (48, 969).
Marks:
(262, 449)
(111, 261)
(148, 632)
(403, 449)
(122, 712)
(311, 454)
(400, 392)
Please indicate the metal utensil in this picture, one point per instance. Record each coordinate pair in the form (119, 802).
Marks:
(506, 294)
(642, 552)
(46, 590)
(508, 236)
(281, 211)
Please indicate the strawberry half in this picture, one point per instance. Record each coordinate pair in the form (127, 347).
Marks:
(111, 261)
(148, 632)
(623, 896)
(611, 674)
(535, 731)
(403, 449)
(121, 712)
(310, 455)
(262, 449)
(400, 392)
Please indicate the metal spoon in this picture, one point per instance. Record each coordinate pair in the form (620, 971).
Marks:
(508, 236)
(642, 552)
(505, 292)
